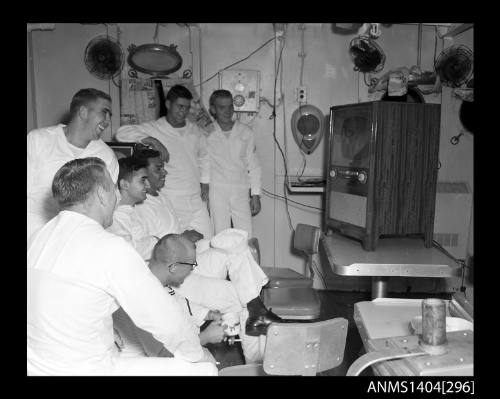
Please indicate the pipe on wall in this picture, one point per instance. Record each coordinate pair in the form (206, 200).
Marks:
(32, 27)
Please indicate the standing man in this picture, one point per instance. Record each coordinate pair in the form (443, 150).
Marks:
(234, 168)
(188, 167)
(51, 147)
(78, 274)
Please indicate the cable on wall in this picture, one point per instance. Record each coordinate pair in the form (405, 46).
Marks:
(235, 63)
(302, 56)
(274, 196)
(285, 182)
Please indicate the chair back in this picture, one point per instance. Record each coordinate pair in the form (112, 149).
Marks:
(306, 238)
(305, 348)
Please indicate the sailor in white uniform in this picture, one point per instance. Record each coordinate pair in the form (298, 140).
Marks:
(176, 137)
(235, 172)
(51, 147)
(78, 274)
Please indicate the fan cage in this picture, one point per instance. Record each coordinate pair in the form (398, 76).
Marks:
(367, 56)
(97, 48)
(454, 65)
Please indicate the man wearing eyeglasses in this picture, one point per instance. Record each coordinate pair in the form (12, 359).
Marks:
(51, 147)
(139, 221)
(172, 261)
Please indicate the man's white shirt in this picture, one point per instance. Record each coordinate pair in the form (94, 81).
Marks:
(78, 274)
(48, 150)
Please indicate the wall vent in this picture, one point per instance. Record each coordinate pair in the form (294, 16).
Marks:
(453, 217)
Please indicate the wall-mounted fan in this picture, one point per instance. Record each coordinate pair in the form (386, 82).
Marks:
(307, 127)
(367, 56)
(454, 65)
(104, 57)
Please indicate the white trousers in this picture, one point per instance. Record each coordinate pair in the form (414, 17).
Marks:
(192, 212)
(245, 274)
(227, 203)
(229, 255)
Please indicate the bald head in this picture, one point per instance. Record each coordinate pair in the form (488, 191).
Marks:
(170, 249)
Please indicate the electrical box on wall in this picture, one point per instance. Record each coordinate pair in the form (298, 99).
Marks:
(244, 86)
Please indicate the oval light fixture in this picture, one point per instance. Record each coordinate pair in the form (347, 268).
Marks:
(307, 127)
(154, 59)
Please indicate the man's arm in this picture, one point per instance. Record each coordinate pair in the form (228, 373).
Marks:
(204, 165)
(254, 172)
(31, 159)
(140, 134)
(213, 334)
(147, 303)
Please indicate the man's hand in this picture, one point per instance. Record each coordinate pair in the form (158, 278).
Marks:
(208, 357)
(255, 206)
(214, 315)
(192, 235)
(156, 145)
(204, 192)
(213, 334)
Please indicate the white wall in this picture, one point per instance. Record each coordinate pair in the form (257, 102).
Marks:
(30, 122)
(328, 75)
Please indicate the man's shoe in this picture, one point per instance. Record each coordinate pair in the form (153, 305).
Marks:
(258, 325)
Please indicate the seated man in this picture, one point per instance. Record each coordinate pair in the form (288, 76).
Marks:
(139, 217)
(227, 254)
(79, 274)
(132, 183)
(168, 264)
(156, 212)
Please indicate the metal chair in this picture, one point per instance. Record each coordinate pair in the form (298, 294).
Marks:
(298, 349)
(290, 294)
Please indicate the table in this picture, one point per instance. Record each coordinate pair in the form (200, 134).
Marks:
(402, 257)
(384, 325)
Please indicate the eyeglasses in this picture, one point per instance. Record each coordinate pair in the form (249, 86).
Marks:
(193, 265)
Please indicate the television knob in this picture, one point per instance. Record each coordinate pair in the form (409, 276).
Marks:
(333, 174)
(362, 177)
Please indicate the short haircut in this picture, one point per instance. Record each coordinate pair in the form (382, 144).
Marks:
(146, 154)
(170, 248)
(84, 97)
(128, 166)
(178, 91)
(77, 179)
(219, 94)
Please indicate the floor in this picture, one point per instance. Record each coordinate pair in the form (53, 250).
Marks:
(333, 304)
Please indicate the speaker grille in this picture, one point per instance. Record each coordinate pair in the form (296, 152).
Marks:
(348, 208)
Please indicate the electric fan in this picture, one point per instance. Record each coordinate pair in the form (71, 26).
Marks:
(104, 57)
(454, 65)
(366, 55)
